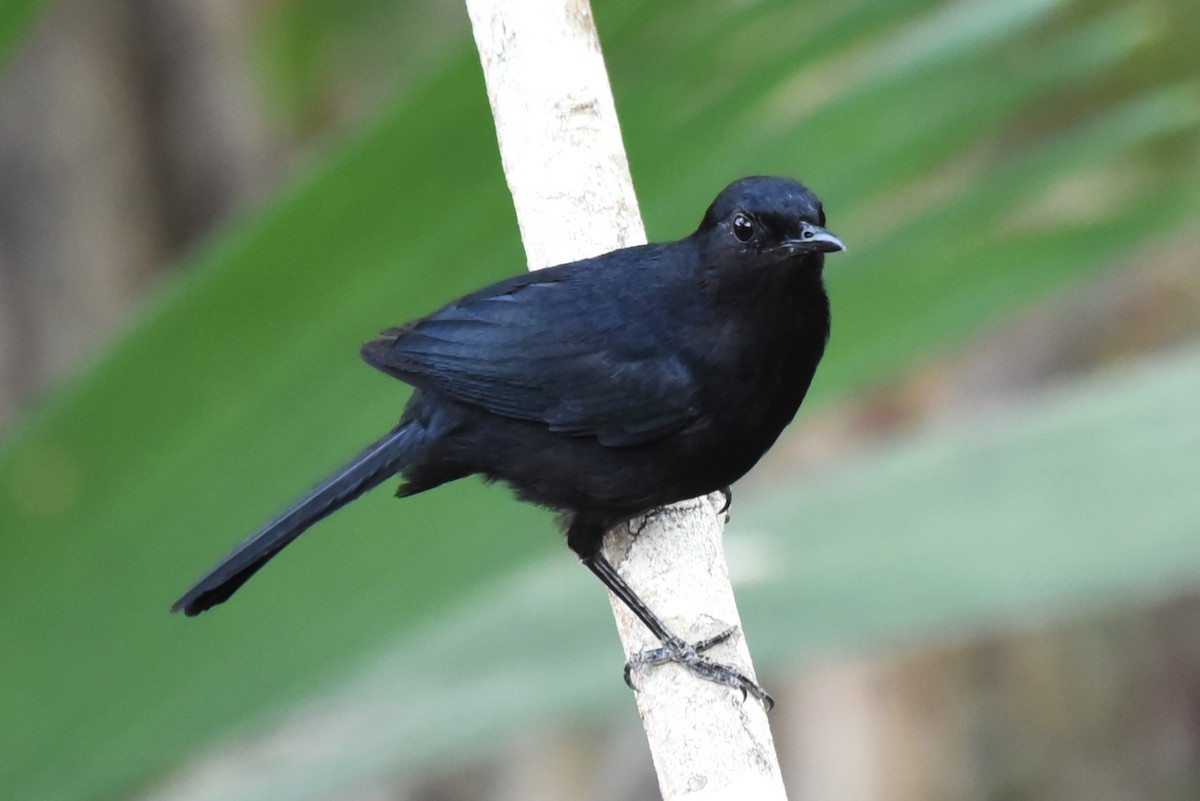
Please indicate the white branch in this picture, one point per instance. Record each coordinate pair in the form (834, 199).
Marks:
(565, 164)
(557, 127)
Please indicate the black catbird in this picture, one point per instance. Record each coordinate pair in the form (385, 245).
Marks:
(602, 388)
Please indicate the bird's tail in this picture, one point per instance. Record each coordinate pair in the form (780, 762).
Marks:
(374, 465)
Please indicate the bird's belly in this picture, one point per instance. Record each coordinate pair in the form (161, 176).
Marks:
(578, 473)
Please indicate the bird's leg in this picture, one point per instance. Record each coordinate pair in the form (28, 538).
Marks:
(674, 648)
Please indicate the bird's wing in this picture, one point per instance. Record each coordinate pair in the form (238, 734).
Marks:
(520, 349)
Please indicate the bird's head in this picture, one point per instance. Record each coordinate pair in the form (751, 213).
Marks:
(767, 220)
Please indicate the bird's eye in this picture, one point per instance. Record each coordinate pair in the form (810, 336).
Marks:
(743, 228)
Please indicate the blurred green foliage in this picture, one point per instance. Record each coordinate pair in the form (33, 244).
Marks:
(318, 57)
(15, 17)
(974, 155)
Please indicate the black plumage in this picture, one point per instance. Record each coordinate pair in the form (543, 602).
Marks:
(601, 388)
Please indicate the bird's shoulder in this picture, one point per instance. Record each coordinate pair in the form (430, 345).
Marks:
(576, 305)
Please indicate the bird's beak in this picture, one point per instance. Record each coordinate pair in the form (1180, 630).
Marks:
(814, 239)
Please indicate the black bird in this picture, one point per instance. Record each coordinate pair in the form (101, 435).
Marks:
(602, 388)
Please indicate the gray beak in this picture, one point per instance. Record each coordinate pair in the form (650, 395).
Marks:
(815, 239)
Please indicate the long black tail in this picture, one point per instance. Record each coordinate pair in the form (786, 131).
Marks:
(374, 465)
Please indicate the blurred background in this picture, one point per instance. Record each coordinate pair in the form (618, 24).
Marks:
(970, 570)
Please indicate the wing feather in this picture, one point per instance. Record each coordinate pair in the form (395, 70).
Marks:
(517, 351)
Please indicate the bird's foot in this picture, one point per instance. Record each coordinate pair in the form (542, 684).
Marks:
(690, 656)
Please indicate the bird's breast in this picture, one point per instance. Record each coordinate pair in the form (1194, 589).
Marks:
(758, 361)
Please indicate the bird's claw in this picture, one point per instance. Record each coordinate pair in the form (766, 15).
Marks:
(689, 656)
(727, 493)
